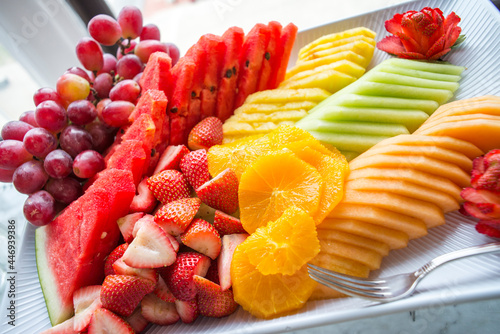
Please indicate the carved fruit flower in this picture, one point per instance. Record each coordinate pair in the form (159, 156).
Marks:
(421, 35)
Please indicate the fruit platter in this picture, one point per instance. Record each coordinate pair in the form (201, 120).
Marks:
(361, 160)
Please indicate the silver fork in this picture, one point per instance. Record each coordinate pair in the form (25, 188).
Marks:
(392, 287)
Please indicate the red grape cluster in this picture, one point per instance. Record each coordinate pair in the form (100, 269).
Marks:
(51, 151)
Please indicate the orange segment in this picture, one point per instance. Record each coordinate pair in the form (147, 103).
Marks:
(285, 245)
(274, 182)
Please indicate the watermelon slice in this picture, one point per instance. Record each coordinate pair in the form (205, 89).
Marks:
(70, 251)
(233, 40)
(214, 49)
(287, 39)
(271, 60)
(197, 55)
(252, 56)
(143, 129)
(130, 156)
(156, 75)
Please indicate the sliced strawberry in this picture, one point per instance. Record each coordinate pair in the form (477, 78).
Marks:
(137, 320)
(158, 311)
(229, 244)
(485, 211)
(179, 276)
(194, 166)
(85, 301)
(489, 227)
(480, 196)
(144, 200)
(221, 192)
(123, 293)
(490, 180)
(202, 237)
(170, 158)
(187, 310)
(105, 321)
(227, 224)
(65, 327)
(127, 223)
(112, 257)
(151, 218)
(151, 247)
(175, 217)
(121, 268)
(478, 169)
(213, 272)
(163, 292)
(169, 185)
(205, 134)
(212, 301)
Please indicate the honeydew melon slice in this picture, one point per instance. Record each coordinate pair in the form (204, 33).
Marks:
(406, 80)
(394, 239)
(367, 128)
(413, 227)
(341, 265)
(387, 68)
(411, 175)
(352, 239)
(363, 255)
(434, 67)
(429, 213)
(351, 142)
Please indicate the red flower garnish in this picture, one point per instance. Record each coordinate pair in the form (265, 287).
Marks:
(421, 35)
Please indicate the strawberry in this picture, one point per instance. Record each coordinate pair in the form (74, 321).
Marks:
(179, 276)
(121, 268)
(194, 166)
(151, 247)
(486, 211)
(490, 178)
(206, 134)
(105, 321)
(85, 301)
(175, 217)
(202, 237)
(138, 224)
(187, 310)
(65, 327)
(163, 292)
(212, 301)
(229, 244)
(480, 196)
(227, 224)
(489, 227)
(127, 223)
(478, 169)
(112, 257)
(171, 157)
(123, 293)
(150, 218)
(137, 321)
(221, 192)
(169, 185)
(213, 271)
(144, 200)
(158, 311)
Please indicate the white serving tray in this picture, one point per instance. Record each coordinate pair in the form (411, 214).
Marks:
(462, 281)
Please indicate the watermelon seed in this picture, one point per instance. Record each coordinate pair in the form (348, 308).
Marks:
(247, 63)
(173, 110)
(267, 55)
(153, 152)
(234, 70)
(229, 73)
(193, 94)
(212, 89)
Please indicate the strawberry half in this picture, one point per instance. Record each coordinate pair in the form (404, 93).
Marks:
(187, 310)
(126, 225)
(175, 217)
(158, 311)
(151, 247)
(123, 293)
(137, 321)
(144, 200)
(105, 321)
(121, 268)
(202, 237)
(229, 244)
(163, 292)
(115, 254)
(213, 271)
(194, 166)
(227, 224)
(480, 196)
(171, 158)
(85, 300)
(489, 227)
(205, 134)
(221, 192)
(169, 185)
(212, 301)
(486, 211)
(179, 276)
(65, 327)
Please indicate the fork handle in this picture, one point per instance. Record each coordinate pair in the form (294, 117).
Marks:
(459, 254)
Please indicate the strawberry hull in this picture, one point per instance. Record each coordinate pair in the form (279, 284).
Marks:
(71, 250)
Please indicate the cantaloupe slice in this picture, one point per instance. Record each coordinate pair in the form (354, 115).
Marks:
(323, 292)
(457, 118)
(356, 240)
(369, 258)
(341, 265)
(486, 104)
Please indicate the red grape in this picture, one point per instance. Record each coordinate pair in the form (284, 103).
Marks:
(30, 177)
(6, 175)
(15, 130)
(173, 52)
(29, 117)
(39, 142)
(129, 66)
(150, 31)
(74, 139)
(39, 208)
(51, 116)
(103, 84)
(90, 54)
(116, 113)
(138, 77)
(13, 154)
(81, 112)
(100, 106)
(126, 47)
(125, 90)
(72, 87)
(130, 20)
(78, 71)
(64, 190)
(109, 64)
(58, 164)
(88, 163)
(104, 29)
(145, 48)
(102, 135)
(46, 93)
